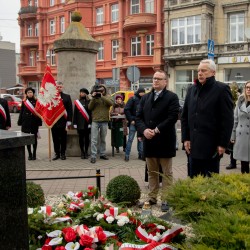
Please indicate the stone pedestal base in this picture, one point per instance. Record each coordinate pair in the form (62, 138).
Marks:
(73, 148)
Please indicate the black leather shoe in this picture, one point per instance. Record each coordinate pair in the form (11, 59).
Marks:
(104, 157)
(126, 158)
(34, 158)
(230, 166)
(56, 157)
(30, 158)
(93, 160)
(63, 157)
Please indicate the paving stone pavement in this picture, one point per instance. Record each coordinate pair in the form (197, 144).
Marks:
(75, 166)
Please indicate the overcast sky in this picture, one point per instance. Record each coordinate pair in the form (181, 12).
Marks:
(9, 28)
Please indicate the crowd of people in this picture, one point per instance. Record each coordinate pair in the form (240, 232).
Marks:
(209, 124)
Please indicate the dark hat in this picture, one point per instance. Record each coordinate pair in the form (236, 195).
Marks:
(29, 89)
(84, 91)
(118, 96)
(141, 90)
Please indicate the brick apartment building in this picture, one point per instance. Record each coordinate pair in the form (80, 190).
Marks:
(188, 26)
(130, 33)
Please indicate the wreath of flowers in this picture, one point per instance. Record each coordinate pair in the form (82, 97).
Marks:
(83, 221)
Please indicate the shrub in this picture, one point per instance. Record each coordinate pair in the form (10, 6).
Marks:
(123, 188)
(35, 194)
(217, 208)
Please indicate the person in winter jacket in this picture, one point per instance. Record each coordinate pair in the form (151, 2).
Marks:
(207, 121)
(241, 130)
(82, 121)
(130, 112)
(118, 110)
(5, 122)
(29, 121)
(99, 106)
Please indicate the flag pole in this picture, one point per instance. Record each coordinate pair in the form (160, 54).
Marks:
(49, 138)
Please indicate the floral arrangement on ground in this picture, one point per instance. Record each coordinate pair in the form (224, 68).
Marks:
(85, 221)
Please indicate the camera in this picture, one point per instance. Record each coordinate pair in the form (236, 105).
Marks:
(98, 89)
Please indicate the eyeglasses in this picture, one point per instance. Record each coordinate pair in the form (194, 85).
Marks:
(247, 87)
(158, 79)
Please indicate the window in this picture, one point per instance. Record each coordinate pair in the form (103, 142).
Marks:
(31, 58)
(114, 13)
(52, 2)
(100, 55)
(52, 27)
(29, 2)
(36, 3)
(236, 28)
(99, 16)
(62, 1)
(52, 57)
(36, 29)
(134, 6)
(29, 30)
(149, 6)
(37, 55)
(150, 45)
(62, 24)
(136, 46)
(186, 30)
(115, 46)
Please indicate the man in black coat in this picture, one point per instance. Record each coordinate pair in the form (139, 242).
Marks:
(5, 122)
(207, 121)
(156, 116)
(59, 130)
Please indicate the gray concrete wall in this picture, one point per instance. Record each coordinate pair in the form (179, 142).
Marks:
(76, 69)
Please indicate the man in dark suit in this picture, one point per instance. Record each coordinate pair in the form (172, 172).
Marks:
(59, 130)
(207, 121)
(5, 122)
(156, 116)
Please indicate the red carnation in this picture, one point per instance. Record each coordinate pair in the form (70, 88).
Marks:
(79, 195)
(60, 248)
(86, 240)
(90, 194)
(46, 247)
(90, 188)
(100, 234)
(69, 234)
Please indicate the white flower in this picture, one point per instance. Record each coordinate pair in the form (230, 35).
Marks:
(56, 241)
(60, 205)
(72, 246)
(99, 217)
(53, 234)
(122, 220)
(30, 210)
(39, 237)
(87, 200)
(110, 219)
(120, 223)
(129, 212)
(95, 214)
(160, 227)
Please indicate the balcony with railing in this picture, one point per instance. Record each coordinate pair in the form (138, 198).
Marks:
(29, 41)
(185, 51)
(140, 20)
(233, 48)
(144, 60)
(28, 12)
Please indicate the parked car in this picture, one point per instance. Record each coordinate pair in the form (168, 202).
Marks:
(14, 102)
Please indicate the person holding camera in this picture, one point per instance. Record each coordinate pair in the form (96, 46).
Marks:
(99, 106)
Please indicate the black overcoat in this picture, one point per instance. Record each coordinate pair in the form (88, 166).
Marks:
(61, 123)
(27, 120)
(163, 114)
(5, 123)
(207, 118)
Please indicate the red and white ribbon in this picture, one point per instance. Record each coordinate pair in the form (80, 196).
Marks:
(82, 110)
(47, 210)
(74, 205)
(112, 211)
(30, 106)
(156, 246)
(61, 219)
(165, 237)
(2, 113)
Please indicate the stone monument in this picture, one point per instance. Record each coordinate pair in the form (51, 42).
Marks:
(13, 201)
(76, 66)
